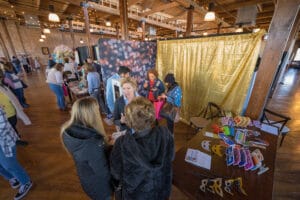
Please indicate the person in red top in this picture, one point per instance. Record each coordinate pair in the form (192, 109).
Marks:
(153, 87)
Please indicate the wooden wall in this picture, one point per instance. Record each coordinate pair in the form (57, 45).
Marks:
(30, 38)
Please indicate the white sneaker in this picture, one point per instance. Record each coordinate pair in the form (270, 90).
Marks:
(14, 183)
(24, 189)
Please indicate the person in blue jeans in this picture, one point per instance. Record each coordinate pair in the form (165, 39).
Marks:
(10, 168)
(55, 81)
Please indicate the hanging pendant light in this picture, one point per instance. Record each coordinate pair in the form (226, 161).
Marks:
(107, 23)
(239, 29)
(46, 30)
(210, 15)
(41, 40)
(43, 35)
(53, 17)
(81, 41)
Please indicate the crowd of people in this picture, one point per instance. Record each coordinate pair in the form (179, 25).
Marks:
(133, 165)
(12, 103)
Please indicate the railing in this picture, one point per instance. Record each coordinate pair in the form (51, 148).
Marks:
(134, 12)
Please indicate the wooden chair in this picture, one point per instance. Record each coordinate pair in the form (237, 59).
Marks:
(278, 120)
(212, 111)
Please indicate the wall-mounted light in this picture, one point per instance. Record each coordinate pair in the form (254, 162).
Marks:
(43, 36)
(53, 17)
(107, 23)
(46, 30)
(41, 40)
(81, 41)
(91, 30)
(205, 34)
(210, 15)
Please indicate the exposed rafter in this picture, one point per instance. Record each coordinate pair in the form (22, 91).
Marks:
(161, 8)
(236, 5)
(147, 4)
(182, 15)
(38, 4)
(132, 2)
(188, 3)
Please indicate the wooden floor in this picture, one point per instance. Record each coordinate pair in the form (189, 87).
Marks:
(53, 171)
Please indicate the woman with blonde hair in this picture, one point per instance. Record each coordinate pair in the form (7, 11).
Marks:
(141, 163)
(129, 88)
(85, 139)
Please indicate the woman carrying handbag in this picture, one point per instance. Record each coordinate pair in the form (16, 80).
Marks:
(173, 100)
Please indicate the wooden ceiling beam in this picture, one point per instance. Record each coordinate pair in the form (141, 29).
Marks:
(38, 4)
(147, 4)
(132, 2)
(74, 2)
(182, 15)
(64, 8)
(262, 15)
(236, 5)
(160, 7)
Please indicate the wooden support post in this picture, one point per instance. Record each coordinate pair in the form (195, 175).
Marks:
(117, 31)
(143, 29)
(63, 38)
(71, 32)
(124, 19)
(8, 37)
(279, 33)
(189, 25)
(219, 28)
(87, 29)
(21, 40)
(5, 51)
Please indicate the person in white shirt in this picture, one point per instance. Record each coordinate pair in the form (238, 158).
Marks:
(69, 67)
(55, 81)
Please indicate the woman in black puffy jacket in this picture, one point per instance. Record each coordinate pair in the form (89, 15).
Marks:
(84, 138)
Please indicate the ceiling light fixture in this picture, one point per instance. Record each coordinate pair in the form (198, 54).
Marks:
(46, 30)
(239, 30)
(107, 23)
(210, 15)
(255, 30)
(53, 17)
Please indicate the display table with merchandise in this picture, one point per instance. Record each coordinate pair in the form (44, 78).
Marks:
(236, 166)
(77, 90)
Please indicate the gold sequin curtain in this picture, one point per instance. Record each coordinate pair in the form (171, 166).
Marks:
(217, 69)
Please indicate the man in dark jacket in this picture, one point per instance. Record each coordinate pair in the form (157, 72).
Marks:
(141, 163)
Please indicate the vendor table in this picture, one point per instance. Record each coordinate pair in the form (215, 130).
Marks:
(187, 177)
(76, 91)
